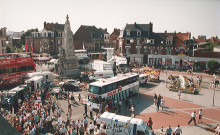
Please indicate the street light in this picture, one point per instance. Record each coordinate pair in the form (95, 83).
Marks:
(132, 41)
(215, 77)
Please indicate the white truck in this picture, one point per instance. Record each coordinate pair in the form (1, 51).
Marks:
(123, 125)
(35, 83)
(101, 74)
(121, 63)
(48, 76)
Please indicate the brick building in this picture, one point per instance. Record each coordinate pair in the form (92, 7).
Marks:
(92, 37)
(48, 40)
(114, 39)
(3, 49)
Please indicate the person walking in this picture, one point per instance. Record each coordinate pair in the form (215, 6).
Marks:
(193, 115)
(179, 94)
(150, 123)
(168, 130)
(200, 116)
(158, 102)
(178, 130)
(85, 113)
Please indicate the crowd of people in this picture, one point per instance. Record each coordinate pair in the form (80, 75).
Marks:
(40, 113)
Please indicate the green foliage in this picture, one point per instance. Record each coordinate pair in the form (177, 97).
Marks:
(9, 48)
(14, 49)
(27, 33)
(212, 65)
(210, 46)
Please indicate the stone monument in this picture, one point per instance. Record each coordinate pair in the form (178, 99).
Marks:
(68, 64)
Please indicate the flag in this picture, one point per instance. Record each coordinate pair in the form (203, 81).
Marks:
(31, 47)
(26, 45)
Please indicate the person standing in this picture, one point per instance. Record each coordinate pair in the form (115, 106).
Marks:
(85, 107)
(90, 110)
(132, 111)
(158, 102)
(85, 123)
(72, 98)
(168, 130)
(150, 123)
(178, 130)
(155, 98)
(179, 94)
(126, 104)
(79, 97)
(162, 102)
(200, 116)
(193, 115)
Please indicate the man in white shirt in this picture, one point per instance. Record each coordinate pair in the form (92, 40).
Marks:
(178, 130)
(60, 120)
(91, 128)
(193, 117)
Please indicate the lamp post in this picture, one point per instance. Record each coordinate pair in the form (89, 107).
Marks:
(132, 41)
(215, 77)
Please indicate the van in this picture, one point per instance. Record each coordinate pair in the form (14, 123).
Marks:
(123, 125)
(10, 95)
(35, 83)
(143, 78)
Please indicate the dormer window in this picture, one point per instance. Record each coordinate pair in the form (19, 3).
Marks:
(138, 33)
(169, 42)
(128, 33)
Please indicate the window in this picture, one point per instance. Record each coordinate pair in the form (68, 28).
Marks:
(169, 42)
(138, 33)
(128, 33)
(95, 89)
(160, 51)
(128, 41)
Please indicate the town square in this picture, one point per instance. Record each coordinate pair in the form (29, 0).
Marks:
(110, 67)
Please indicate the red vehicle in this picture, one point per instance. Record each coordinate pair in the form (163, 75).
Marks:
(13, 67)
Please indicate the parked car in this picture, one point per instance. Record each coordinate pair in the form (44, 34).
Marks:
(71, 85)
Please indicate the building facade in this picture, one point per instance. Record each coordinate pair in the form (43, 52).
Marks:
(132, 41)
(114, 39)
(92, 38)
(3, 49)
(49, 40)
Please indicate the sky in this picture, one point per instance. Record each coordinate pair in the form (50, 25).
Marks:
(200, 17)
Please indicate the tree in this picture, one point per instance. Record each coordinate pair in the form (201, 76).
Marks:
(9, 48)
(27, 33)
(212, 65)
(210, 46)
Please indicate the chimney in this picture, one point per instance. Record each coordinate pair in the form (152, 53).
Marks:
(165, 31)
(45, 24)
(105, 29)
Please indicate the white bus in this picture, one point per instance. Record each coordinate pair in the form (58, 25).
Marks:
(116, 88)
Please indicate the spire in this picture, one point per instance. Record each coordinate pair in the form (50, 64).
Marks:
(67, 17)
